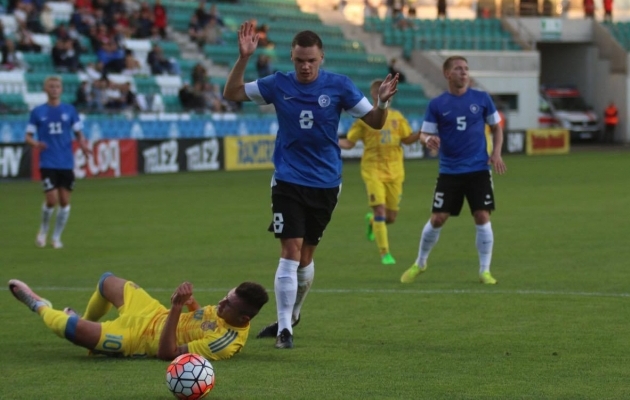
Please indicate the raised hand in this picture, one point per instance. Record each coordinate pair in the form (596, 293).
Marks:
(182, 294)
(388, 88)
(247, 39)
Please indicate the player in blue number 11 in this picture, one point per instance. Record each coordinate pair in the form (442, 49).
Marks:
(455, 125)
(54, 123)
(307, 158)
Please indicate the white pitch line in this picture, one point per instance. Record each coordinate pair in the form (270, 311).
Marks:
(373, 291)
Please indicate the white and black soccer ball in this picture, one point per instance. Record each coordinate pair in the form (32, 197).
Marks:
(190, 377)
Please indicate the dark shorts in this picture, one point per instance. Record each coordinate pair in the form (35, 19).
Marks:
(56, 178)
(301, 211)
(451, 190)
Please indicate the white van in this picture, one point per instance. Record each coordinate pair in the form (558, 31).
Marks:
(564, 107)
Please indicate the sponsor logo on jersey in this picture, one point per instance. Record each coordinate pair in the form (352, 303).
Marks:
(474, 108)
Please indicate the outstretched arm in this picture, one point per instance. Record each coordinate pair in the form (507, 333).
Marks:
(247, 43)
(346, 144)
(414, 137)
(377, 116)
(167, 347)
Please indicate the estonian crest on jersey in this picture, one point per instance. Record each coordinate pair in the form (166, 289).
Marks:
(474, 108)
(324, 101)
(64, 117)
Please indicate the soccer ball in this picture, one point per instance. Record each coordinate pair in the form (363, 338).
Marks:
(190, 377)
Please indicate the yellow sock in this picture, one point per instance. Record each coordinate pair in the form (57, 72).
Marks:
(380, 234)
(97, 307)
(56, 321)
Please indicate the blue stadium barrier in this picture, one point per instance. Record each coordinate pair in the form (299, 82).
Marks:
(98, 128)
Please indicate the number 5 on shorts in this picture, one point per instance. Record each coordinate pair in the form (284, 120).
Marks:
(438, 200)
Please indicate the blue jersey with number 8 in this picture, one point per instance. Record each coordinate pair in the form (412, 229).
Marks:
(306, 151)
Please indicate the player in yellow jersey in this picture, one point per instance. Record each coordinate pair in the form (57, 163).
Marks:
(145, 328)
(382, 170)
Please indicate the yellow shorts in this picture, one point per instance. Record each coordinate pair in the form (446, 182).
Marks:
(388, 193)
(122, 336)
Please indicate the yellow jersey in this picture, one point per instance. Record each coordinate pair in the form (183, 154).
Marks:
(205, 333)
(382, 154)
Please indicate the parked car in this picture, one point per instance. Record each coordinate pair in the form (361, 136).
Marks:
(564, 107)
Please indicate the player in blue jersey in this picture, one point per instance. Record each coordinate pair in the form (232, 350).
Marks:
(455, 125)
(307, 158)
(54, 123)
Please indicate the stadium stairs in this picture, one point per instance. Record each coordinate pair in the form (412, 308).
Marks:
(350, 20)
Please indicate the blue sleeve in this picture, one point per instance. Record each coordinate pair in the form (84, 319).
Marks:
(489, 108)
(431, 114)
(351, 95)
(31, 127)
(266, 86)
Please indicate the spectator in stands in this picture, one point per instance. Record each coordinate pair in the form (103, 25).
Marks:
(25, 41)
(263, 65)
(144, 22)
(112, 57)
(394, 70)
(158, 63)
(83, 20)
(112, 8)
(399, 20)
(125, 101)
(199, 74)
(11, 58)
(47, 19)
(589, 9)
(190, 99)
(160, 20)
(83, 97)
(21, 11)
(547, 8)
(214, 14)
(132, 65)
(211, 34)
(94, 71)
(608, 9)
(2, 35)
(100, 87)
(195, 31)
(441, 9)
(200, 12)
(212, 97)
(64, 56)
(121, 25)
(369, 10)
(263, 37)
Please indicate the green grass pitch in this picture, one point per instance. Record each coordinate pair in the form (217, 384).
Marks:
(555, 327)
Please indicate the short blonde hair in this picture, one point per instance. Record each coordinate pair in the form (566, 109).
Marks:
(51, 78)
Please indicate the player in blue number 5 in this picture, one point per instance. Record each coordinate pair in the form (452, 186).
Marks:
(307, 158)
(53, 123)
(455, 125)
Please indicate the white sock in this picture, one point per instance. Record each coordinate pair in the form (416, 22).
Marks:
(285, 286)
(46, 214)
(484, 242)
(430, 236)
(304, 280)
(62, 217)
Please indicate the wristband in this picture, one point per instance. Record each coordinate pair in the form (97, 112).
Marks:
(381, 105)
